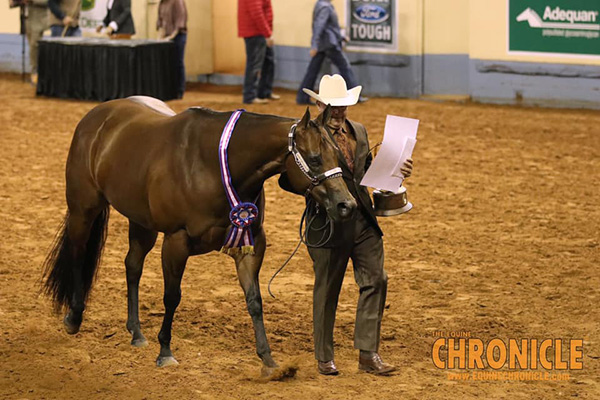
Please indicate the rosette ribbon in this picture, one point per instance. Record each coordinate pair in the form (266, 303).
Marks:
(242, 214)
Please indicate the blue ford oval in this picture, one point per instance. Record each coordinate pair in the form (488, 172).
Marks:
(371, 14)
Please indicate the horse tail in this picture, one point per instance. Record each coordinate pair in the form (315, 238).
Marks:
(60, 263)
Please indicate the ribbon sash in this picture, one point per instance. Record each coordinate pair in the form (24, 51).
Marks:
(242, 214)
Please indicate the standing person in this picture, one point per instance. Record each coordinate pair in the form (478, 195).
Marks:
(359, 239)
(37, 23)
(172, 25)
(64, 17)
(326, 42)
(255, 25)
(118, 20)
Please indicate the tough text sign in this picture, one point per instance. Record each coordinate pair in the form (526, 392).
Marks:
(371, 23)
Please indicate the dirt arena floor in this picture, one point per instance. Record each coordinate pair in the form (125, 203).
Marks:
(503, 242)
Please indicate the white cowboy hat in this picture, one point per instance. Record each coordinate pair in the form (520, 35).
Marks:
(333, 91)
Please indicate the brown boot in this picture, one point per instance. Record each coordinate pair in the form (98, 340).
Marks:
(327, 368)
(371, 362)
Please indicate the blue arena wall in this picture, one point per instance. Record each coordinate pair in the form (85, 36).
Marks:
(392, 75)
(553, 85)
(11, 46)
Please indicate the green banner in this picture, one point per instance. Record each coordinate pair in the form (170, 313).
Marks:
(554, 26)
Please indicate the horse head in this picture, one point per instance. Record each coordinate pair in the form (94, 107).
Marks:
(314, 167)
(531, 17)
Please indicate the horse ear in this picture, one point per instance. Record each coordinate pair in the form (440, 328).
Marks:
(305, 119)
(323, 119)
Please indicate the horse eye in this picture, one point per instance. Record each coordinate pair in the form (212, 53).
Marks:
(315, 161)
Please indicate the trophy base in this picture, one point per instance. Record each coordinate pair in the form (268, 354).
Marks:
(389, 213)
(390, 203)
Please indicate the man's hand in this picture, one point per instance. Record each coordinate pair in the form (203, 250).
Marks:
(99, 28)
(407, 168)
(109, 30)
(270, 42)
(313, 52)
(67, 21)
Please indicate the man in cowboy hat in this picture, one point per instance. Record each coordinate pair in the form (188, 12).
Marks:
(358, 239)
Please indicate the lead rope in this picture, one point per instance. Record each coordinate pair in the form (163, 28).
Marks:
(310, 205)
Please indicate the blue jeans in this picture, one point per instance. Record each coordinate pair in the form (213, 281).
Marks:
(338, 59)
(180, 41)
(260, 69)
(57, 30)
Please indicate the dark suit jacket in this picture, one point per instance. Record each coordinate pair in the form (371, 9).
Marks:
(121, 14)
(362, 161)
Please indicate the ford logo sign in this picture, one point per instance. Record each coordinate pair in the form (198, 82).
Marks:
(371, 14)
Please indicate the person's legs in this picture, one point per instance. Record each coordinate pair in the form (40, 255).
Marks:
(367, 258)
(36, 24)
(180, 41)
(343, 65)
(265, 85)
(30, 32)
(256, 48)
(329, 265)
(310, 77)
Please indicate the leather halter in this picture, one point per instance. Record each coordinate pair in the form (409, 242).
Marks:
(315, 180)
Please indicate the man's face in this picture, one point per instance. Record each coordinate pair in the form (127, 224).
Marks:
(338, 115)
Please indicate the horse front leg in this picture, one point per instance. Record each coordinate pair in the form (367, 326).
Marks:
(175, 252)
(141, 241)
(248, 267)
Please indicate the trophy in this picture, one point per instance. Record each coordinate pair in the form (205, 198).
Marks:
(391, 203)
(385, 173)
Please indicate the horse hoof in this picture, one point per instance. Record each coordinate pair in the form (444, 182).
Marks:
(71, 327)
(142, 342)
(267, 372)
(285, 372)
(166, 361)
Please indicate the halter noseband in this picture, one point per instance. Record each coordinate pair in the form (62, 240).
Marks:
(315, 180)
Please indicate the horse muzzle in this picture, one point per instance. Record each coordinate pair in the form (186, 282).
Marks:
(345, 209)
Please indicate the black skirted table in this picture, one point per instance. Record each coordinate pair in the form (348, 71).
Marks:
(104, 69)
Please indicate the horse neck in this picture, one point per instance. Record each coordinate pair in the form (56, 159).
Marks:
(271, 142)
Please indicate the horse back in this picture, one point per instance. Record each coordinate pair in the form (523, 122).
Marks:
(152, 166)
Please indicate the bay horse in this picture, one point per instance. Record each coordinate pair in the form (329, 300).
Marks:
(161, 171)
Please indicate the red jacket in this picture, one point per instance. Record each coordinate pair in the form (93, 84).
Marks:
(255, 18)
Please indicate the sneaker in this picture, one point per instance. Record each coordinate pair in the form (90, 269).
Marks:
(274, 96)
(362, 99)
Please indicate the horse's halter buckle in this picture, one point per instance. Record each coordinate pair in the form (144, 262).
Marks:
(315, 180)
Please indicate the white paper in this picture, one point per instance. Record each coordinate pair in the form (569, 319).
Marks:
(409, 146)
(399, 139)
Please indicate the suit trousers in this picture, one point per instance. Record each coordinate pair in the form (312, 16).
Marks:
(365, 248)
